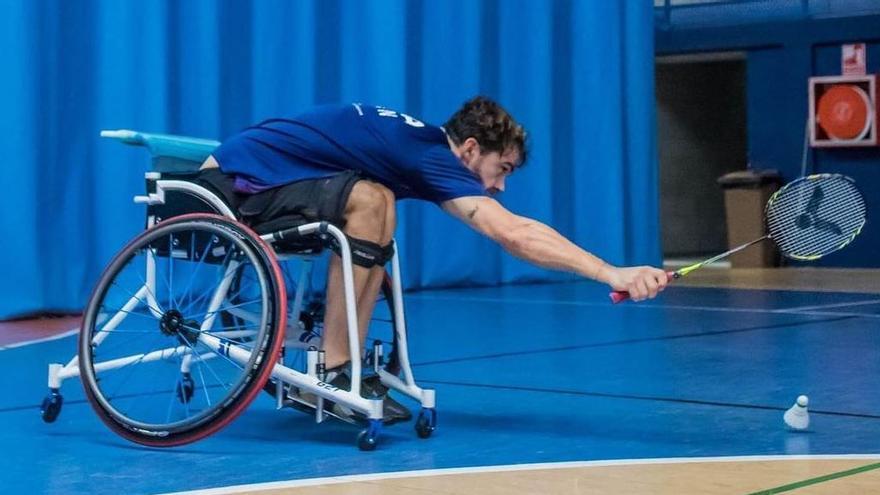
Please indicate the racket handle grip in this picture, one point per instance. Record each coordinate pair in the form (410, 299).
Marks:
(618, 296)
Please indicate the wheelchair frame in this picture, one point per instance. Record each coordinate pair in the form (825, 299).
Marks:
(186, 154)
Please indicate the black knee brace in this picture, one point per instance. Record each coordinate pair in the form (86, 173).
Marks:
(365, 253)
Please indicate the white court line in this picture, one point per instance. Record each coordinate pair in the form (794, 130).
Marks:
(334, 480)
(38, 341)
(718, 309)
(837, 305)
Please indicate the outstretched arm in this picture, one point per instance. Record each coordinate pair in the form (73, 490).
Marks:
(537, 243)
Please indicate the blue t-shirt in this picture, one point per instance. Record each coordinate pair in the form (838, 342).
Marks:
(409, 157)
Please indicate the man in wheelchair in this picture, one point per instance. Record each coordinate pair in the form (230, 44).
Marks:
(348, 164)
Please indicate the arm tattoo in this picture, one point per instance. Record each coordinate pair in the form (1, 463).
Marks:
(473, 212)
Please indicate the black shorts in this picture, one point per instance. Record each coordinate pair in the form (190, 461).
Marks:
(290, 205)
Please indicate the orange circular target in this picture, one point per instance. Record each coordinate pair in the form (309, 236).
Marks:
(845, 112)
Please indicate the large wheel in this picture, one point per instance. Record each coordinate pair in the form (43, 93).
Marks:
(152, 322)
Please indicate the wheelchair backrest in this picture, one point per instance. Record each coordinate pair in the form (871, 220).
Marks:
(169, 153)
(178, 159)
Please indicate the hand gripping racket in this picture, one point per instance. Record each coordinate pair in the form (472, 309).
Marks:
(808, 218)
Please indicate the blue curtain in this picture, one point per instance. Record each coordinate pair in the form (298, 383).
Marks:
(577, 74)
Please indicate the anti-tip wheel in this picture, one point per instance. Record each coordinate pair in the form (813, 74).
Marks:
(369, 438)
(426, 423)
(185, 388)
(51, 406)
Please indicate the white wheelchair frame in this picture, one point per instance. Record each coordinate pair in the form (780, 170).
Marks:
(309, 381)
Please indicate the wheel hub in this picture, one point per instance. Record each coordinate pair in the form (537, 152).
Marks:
(173, 324)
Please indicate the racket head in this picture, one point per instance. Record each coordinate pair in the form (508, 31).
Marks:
(815, 216)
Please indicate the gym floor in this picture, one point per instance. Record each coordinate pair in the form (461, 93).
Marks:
(540, 389)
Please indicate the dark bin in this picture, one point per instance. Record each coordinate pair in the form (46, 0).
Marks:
(745, 194)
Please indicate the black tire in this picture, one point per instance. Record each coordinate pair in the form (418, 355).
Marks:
(208, 245)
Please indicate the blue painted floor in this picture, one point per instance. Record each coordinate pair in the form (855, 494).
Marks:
(523, 374)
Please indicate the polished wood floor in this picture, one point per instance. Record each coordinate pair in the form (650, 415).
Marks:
(736, 476)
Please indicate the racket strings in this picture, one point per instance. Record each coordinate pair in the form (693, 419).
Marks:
(811, 218)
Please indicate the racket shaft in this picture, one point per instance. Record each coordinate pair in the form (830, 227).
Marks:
(622, 295)
(688, 269)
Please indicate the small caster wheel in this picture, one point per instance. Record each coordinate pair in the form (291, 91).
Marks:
(307, 320)
(368, 438)
(51, 406)
(185, 388)
(426, 423)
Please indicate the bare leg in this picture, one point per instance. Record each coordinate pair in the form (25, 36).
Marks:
(335, 338)
(367, 215)
(366, 304)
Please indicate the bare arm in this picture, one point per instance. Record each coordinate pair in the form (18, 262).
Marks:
(537, 243)
(525, 238)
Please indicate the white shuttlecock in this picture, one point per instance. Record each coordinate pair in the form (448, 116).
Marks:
(797, 417)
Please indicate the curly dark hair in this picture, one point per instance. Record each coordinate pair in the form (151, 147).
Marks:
(488, 123)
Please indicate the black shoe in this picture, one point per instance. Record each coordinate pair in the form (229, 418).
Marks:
(307, 402)
(371, 388)
(392, 411)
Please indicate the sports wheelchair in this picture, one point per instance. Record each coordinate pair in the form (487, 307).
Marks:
(191, 320)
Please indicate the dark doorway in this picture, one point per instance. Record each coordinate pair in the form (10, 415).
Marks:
(701, 135)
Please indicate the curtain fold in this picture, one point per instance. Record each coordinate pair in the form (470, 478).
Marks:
(577, 74)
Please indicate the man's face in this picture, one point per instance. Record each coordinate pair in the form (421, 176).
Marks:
(492, 168)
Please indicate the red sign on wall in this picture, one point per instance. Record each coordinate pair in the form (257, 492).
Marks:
(852, 59)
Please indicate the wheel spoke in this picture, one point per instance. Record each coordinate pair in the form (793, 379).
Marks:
(203, 361)
(221, 273)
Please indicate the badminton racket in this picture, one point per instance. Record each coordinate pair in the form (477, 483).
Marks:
(808, 218)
